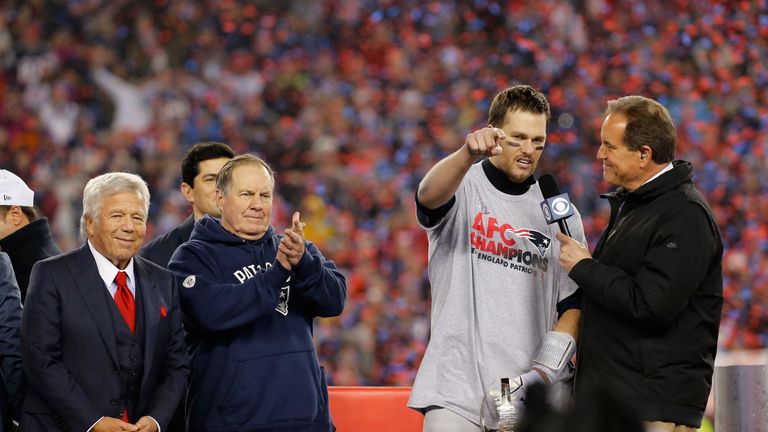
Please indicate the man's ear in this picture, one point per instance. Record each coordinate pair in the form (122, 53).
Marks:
(16, 215)
(186, 190)
(220, 200)
(90, 226)
(646, 153)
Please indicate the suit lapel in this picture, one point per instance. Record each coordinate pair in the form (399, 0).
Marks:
(150, 301)
(185, 229)
(91, 288)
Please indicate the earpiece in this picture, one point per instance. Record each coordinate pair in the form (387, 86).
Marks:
(643, 155)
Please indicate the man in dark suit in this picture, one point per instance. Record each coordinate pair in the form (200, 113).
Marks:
(102, 341)
(199, 169)
(11, 385)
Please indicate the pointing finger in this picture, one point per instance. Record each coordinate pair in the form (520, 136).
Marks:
(500, 138)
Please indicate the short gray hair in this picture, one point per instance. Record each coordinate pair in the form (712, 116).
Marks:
(105, 186)
(224, 178)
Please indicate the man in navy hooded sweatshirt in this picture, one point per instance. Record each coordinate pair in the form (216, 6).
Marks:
(249, 296)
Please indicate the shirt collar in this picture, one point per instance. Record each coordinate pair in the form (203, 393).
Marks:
(669, 167)
(108, 271)
(502, 183)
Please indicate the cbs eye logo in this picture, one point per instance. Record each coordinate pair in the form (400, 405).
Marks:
(560, 206)
(556, 208)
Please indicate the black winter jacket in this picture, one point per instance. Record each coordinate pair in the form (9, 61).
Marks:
(653, 293)
(26, 246)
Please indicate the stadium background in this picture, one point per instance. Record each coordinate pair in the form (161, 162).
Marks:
(353, 101)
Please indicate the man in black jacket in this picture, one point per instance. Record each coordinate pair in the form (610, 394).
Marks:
(199, 170)
(11, 375)
(24, 236)
(653, 289)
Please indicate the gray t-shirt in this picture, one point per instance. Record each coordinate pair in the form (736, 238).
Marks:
(496, 282)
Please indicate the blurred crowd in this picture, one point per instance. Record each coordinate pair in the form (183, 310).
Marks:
(352, 101)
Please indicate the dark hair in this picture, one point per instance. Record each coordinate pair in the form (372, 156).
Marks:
(517, 98)
(203, 151)
(225, 175)
(648, 123)
(29, 212)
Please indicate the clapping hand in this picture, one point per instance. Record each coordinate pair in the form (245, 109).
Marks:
(292, 245)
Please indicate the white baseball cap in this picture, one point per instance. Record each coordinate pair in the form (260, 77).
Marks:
(13, 190)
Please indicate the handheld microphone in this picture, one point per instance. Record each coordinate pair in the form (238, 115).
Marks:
(556, 206)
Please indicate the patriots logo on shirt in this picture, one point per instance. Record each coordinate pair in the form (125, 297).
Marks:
(285, 293)
(536, 238)
(282, 307)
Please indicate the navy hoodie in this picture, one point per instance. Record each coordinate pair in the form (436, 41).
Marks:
(249, 320)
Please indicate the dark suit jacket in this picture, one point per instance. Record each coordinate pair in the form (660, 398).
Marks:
(10, 354)
(160, 250)
(69, 346)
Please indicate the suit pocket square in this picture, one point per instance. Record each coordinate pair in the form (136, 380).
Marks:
(163, 311)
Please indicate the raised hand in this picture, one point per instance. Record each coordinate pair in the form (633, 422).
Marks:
(485, 142)
(292, 244)
(282, 259)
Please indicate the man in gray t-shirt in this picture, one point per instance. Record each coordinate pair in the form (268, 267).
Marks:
(501, 306)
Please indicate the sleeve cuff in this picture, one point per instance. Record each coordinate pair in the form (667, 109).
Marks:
(305, 264)
(578, 270)
(278, 273)
(94, 424)
(158, 424)
(571, 302)
(431, 217)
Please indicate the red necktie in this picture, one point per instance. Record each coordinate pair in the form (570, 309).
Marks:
(125, 301)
